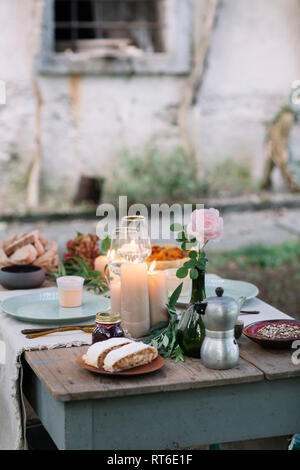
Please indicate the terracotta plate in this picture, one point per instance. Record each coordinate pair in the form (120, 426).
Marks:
(151, 367)
(277, 343)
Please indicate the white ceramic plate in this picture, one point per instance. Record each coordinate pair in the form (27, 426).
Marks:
(231, 288)
(43, 307)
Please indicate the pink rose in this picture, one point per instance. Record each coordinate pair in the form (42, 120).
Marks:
(205, 225)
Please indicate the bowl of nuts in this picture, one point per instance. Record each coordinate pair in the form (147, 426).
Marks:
(274, 334)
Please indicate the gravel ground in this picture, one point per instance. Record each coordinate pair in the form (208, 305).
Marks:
(240, 229)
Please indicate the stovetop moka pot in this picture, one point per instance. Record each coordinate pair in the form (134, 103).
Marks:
(219, 349)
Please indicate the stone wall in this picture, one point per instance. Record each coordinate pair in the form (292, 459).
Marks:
(85, 120)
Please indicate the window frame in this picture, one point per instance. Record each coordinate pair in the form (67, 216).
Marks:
(175, 61)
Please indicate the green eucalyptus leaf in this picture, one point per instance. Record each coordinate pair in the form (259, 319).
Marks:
(201, 264)
(175, 227)
(190, 264)
(182, 236)
(105, 268)
(194, 273)
(95, 273)
(175, 296)
(105, 245)
(184, 246)
(193, 254)
(182, 272)
(158, 326)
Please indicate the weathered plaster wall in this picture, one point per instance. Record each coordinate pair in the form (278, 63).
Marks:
(86, 120)
(19, 41)
(253, 59)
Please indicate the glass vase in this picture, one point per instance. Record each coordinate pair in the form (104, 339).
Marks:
(191, 329)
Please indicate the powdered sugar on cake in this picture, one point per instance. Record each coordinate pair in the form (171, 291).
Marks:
(97, 352)
(129, 356)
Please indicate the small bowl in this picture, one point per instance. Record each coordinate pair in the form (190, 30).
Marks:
(270, 343)
(22, 276)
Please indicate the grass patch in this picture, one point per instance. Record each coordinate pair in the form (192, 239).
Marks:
(274, 269)
(259, 255)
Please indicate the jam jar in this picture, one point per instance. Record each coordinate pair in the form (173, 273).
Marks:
(108, 325)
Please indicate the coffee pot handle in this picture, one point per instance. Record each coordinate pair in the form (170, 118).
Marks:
(200, 307)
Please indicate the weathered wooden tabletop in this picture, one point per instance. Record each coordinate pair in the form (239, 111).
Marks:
(66, 381)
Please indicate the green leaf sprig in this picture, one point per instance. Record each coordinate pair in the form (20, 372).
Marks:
(197, 257)
(105, 245)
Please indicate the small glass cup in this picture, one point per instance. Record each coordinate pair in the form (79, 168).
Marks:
(70, 290)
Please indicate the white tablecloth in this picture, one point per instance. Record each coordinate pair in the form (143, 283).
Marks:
(12, 425)
(12, 344)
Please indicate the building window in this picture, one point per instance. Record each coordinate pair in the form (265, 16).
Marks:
(114, 37)
(82, 25)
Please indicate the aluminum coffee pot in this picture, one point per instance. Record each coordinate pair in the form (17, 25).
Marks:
(219, 349)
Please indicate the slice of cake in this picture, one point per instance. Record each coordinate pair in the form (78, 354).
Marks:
(129, 356)
(96, 353)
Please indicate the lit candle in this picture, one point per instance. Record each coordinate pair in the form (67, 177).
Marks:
(158, 295)
(135, 313)
(100, 263)
(115, 295)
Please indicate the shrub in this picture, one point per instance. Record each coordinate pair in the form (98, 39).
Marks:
(154, 176)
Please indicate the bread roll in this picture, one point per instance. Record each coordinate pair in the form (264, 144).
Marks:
(25, 255)
(25, 240)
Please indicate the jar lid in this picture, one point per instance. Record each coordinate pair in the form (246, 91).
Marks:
(109, 317)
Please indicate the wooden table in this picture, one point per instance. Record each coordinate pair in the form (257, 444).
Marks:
(182, 404)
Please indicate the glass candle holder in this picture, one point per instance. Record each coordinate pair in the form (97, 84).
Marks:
(70, 290)
(134, 242)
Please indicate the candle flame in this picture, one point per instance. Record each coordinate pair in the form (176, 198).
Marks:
(111, 254)
(152, 266)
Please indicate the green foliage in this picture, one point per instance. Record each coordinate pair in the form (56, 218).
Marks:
(197, 256)
(259, 255)
(153, 175)
(105, 245)
(229, 177)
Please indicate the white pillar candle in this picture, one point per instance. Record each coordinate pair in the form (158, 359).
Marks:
(100, 263)
(115, 295)
(158, 295)
(135, 313)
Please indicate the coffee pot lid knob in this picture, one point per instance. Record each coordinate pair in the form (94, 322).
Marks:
(219, 291)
